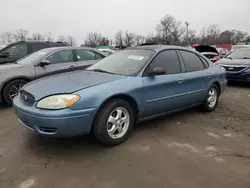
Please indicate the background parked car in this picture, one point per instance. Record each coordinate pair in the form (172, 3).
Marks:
(45, 62)
(210, 52)
(17, 50)
(131, 85)
(106, 51)
(237, 65)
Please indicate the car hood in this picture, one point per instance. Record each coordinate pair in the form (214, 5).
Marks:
(68, 83)
(204, 48)
(225, 61)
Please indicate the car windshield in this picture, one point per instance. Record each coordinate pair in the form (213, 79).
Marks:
(243, 53)
(125, 62)
(34, 57)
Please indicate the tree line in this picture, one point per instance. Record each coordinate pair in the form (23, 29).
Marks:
(21, 35)
(168, 31)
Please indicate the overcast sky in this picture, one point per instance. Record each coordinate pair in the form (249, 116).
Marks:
(78, 17)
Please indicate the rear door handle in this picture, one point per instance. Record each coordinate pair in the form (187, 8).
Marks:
(72, 66)
(208, 75)
(180, 81)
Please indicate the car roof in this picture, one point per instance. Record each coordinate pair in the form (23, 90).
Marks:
(53, 49)
(158, 48)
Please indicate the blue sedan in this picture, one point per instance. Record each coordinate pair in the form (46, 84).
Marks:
(109, 97)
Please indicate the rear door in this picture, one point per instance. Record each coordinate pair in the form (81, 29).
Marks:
(86, 57)
(60, 61)
(196, 77)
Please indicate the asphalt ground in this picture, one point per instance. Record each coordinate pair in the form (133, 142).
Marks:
(189, 149)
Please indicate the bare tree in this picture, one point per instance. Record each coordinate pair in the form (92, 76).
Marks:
(7, 38)
(169, 30)
(128, 39)
(93, 39)
(103, 41)
(21, 34)
(119, 38)
(71, 40)
(139, 39)
(61, 38)
(213, 34)
(48, 37)
(238, 36)
(37, 36)
(225, 37)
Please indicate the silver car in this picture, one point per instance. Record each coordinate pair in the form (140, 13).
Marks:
(43, 63)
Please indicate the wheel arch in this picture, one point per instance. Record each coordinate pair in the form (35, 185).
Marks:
(10, 80)
(125, 97)
(218, 86)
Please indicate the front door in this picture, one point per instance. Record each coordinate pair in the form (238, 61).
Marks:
(163, 93)
(60, 61)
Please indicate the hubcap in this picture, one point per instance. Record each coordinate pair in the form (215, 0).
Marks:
(118, 123)
(212, 97)
(14, 90)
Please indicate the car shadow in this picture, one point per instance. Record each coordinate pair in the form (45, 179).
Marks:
(4, 106)
(87, 146)
(239, 84)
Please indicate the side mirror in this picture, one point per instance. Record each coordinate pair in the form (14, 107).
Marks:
(4, 54)
(157, 71)
(44, 63)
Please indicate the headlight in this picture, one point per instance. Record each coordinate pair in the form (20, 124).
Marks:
(57, 102)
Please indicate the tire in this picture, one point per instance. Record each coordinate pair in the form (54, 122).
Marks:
(10, 88)
(103, 128)
(210, 105)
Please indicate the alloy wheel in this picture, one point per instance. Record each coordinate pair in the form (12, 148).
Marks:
(118, 123)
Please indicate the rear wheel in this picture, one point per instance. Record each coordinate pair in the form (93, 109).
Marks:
(114, 122)
(11, 89)
(212, 99)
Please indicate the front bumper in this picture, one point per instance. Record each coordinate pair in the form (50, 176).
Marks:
(245, 77)
(54, 123)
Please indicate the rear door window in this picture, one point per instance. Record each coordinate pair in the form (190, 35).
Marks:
(192, 61)
(86, 55)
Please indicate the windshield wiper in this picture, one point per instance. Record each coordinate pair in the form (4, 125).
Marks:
(100, 70)
(229, 58)
(246, 57)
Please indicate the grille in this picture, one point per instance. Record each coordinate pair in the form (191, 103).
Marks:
(27, 97)
(234, 68)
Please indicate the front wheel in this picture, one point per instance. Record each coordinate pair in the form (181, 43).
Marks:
(11, 89)
(212, 99)
(113, 122)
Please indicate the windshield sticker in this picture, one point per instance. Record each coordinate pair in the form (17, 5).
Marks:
(135, 57)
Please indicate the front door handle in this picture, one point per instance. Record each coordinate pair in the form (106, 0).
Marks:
(208, 75)
(72, 66)
(180, 81)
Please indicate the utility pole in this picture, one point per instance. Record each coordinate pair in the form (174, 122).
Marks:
(187, 24)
